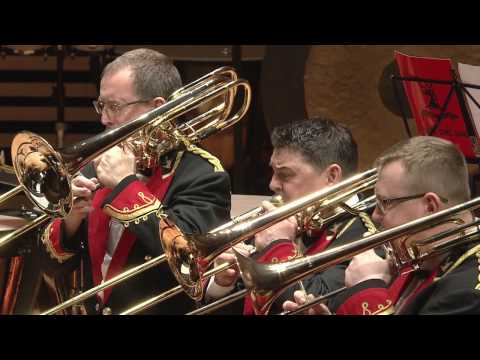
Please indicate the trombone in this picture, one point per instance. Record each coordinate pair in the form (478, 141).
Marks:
(438, 248)
(364, 206)
(149, 264)
(201, 250)
(148, 136)
(190, 255)
(45, 174)
(8, 238)
(268, 280)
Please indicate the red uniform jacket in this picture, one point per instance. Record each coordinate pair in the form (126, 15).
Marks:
(452, 288)
(317, 284)
(280, 251)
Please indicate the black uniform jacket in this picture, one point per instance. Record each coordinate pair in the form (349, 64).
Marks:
(191, 187)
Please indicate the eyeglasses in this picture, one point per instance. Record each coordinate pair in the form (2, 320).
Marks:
(386, 204)
(113, 107)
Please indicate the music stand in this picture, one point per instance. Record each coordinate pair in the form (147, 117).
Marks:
(460, 129)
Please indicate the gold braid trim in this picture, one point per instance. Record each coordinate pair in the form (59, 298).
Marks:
(138, 213)
(51, 249)
(296, 253)
(478, 278)
(368, 223)
(345, 227)
(217, 166)
(382, 309)
(475, 250)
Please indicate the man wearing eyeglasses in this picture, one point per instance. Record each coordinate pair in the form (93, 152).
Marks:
(417, 177)
(116, 227)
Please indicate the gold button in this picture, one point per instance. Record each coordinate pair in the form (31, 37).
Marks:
(107, 311)
(148, 258)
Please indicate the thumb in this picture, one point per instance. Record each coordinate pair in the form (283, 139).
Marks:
(96, 161)
(299, 297)
(268, 206)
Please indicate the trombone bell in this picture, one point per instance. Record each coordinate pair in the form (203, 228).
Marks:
(41, 172)
(182, 258)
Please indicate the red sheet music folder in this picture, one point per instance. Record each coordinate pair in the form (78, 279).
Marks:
(426, 100)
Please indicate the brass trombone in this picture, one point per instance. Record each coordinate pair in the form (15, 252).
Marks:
(439, 248)
(364, 205)
(268, 280)
(189, 256)
(205, 248)
(149, 264)
(46, 174)
(8, 238)
(148, 136)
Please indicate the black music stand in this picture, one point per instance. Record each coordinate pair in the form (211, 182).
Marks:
(458, 88)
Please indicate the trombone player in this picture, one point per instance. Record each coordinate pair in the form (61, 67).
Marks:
(308, 156)
(417, 177)
(114, 221)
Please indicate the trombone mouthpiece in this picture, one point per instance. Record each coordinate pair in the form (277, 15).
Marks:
(276, 200)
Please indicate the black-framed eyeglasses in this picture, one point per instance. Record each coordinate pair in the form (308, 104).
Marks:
(113, 107)
(386, 204)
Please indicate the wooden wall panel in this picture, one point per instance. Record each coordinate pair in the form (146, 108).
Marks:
(30, 79)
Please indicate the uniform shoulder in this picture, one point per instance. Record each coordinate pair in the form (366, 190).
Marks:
(202, 159)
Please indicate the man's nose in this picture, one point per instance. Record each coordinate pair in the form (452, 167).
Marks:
(377, 216)
(105, 119)
(275, 185)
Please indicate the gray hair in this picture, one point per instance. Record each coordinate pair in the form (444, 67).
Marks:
(154, 73)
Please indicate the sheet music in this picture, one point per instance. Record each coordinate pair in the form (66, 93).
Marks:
(434, 104)
(471, 74)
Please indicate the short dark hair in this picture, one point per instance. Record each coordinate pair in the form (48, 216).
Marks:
(154, 73)
(321, 141)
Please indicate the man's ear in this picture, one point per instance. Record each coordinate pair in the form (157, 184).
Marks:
(334, 174)
(432, 202)
(158, 101)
